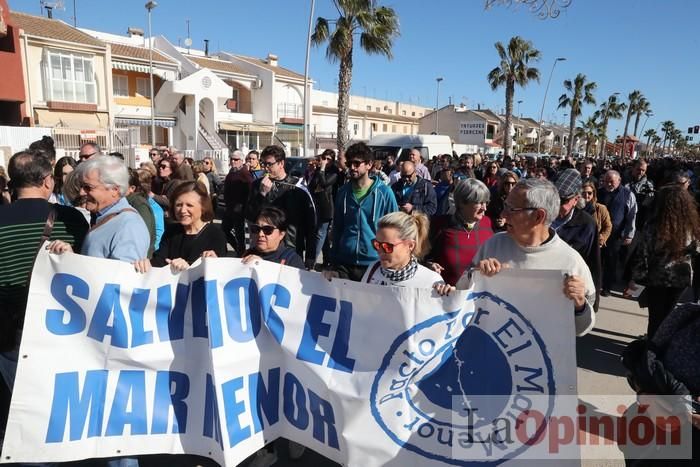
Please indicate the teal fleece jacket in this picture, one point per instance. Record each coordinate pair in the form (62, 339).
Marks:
(355, 224)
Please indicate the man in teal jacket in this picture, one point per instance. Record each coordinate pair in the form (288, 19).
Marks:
(358, 207)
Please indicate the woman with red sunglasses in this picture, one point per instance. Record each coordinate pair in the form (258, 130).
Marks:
(402, 239)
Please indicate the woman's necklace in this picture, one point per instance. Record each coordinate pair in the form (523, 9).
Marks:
(469, 228)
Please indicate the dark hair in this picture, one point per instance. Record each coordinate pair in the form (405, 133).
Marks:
(254, 152)
(676, 220)
(28, 169)
(46, 146)
(328, 153)
(204, 199)
(274, 216)
(137, 183)
(359, 151)
(117, 154)
(145, 179)
(58, 171)
(174, 175)
(273, 150)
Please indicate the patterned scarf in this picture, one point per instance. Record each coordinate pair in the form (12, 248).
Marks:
(405, 273)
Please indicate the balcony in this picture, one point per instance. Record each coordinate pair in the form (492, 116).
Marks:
(290, 113)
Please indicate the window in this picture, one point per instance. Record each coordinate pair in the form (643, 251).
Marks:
(120, 83)
(413, 114)
(70, 78)
(374, 127)
(377, 109)
(384, 127)
(369, 108)
(490, 130)
(390, 111)
(143, 87)
(403, 112)
(393, 128)
(355, 128)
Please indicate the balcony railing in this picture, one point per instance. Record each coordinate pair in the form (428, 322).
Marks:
(286, 110)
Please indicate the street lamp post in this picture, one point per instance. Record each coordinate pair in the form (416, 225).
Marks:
(437, 107)
(519, 114)
(150, 6)
(307, 107)
(544, 100)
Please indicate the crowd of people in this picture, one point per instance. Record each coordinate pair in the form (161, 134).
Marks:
(608, 225)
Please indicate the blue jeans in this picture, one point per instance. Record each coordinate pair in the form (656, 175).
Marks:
(321, 234)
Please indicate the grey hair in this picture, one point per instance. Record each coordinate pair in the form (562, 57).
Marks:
(238, 153)
(541, 194)
(110, 170)
(613, 172)
(471, 190)
(95, 146)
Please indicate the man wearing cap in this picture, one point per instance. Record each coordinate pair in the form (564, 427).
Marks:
(576, 227)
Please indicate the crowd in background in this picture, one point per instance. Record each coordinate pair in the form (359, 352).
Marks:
(613, 225)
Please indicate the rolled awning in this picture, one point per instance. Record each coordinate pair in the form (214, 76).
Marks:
(75, 120)
(246, 127)
(130, 67)
(160, 122)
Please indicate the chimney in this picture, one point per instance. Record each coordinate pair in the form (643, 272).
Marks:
(134, 32)
(272, 59)
(206, 47)
(478, 106)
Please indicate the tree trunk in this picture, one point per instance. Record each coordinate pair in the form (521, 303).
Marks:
(636, 123)
(507, 138)
(624, 135)
(604, 138)
(572, 125)
(588, 145)
(648, 139)
(344, 79)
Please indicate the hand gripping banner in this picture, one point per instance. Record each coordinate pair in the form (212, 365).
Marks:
(223, 358)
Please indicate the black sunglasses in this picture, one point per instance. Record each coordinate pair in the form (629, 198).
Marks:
(355, 163)
(266, 229)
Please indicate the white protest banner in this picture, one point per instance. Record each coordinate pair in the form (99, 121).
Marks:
(223, 358)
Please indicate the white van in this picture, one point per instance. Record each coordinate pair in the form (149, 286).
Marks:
(398, 145)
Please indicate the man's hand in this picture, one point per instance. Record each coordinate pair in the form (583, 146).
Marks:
(142, 265)
(575, 289)
(251, 259)
(436, 267)
(443, 289)
(265, 185)
(323, 163)
(407, 208)
(490, 267)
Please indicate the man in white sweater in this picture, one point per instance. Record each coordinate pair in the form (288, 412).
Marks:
(530, 243)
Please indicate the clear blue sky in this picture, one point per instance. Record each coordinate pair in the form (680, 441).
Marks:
(650, 45)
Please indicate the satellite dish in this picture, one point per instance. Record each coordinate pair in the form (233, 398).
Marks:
(188, 42)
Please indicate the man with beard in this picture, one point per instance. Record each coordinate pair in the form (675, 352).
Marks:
(286, 192)
(358, 207)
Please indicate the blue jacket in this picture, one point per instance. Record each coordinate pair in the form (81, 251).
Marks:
(355, 224)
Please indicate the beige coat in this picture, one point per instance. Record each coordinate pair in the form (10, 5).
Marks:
(602, 218)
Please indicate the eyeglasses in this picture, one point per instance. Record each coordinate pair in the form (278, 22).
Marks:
(408, 176)
(565, 200)
(266, 229)
(386, 247)
(86, 156)
(153, 154)
(267, 163)
(87, 188)
(209, 163)
(355, 163)
(508, 207)
(587, 193)
(509, 183)
(164, 166)
(234, 159)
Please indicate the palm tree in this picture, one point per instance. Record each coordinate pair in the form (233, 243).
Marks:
(580, 92)
(591, 129)
(513, 69)
(656, 139)
(676, 136)
(610, 110)
(643, 107)
(634, 98)
(377, 28)
(667, 127)
(649, 134)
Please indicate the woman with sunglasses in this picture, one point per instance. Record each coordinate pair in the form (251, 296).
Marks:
(598, 211)
(498, 197)
(167, 180)
(194, 236)
(267, 240)
(401, 241)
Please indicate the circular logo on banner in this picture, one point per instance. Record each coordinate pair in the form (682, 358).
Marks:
(455, 387)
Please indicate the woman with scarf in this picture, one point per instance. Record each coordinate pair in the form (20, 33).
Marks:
(401, 241)
(498, 198)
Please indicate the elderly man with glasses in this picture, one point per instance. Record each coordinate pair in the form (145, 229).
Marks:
(413, 192)
(530, 243)
(88, 150)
